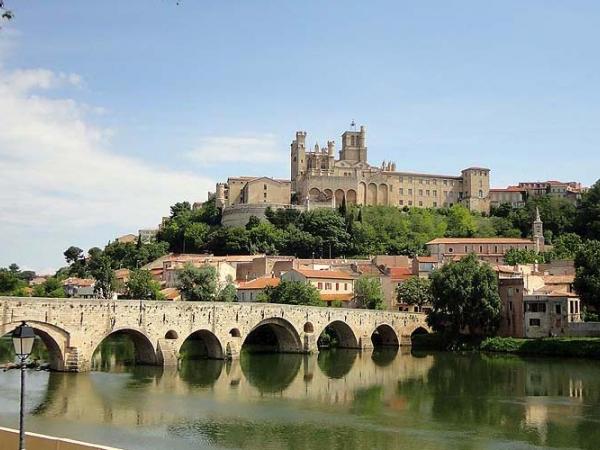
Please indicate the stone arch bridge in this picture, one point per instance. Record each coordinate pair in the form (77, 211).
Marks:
(73, 329)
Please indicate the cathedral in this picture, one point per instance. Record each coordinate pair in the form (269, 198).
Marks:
(320, 179)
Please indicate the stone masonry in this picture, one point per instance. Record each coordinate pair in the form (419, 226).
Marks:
(73, 329)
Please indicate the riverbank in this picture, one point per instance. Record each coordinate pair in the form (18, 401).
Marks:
(570, 347)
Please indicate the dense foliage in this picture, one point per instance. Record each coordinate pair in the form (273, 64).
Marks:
(465, 298)
(368, 293)
(197, 283)
(414, 291)
(141, 285)
(292, 293)
(587, 278)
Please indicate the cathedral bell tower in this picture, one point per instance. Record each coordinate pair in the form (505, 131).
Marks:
(354, 145)
(538, 232)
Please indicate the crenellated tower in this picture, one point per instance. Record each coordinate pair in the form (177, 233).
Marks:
(354, 145)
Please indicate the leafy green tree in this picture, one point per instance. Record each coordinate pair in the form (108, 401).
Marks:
(265, 238)
(414, 291)
(181, 209)
(228, 292)
(197, 283)
(292, 293)
(283, 217)
(14, 269)
(253, 221)
(141, 285)
(566, 246)
(52, 287)
(587, 275)
(76, 260)
(330, 229)
(368, 293)
(587, 220)
(300, 243)
(229, 241)
(9, 281)
(465, 298)
(196, 237)
(461, 222)
(516, 256)
(100, 268)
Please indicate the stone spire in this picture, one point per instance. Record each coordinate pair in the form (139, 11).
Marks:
(538, 231)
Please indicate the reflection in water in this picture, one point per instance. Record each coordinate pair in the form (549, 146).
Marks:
(39, 352)
(338, 399)
(114, 353)
(384, 356)
(270, 372)
(337, 362)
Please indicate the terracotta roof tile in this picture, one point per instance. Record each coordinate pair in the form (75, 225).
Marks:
(400, 273)
(260, 283)
(334, 297)
(482, 240)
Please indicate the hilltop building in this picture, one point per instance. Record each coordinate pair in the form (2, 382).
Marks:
(517, 195)
(319, 178)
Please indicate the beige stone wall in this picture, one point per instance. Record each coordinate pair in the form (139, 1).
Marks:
(266, 190)
(73, 329)
(9, 440)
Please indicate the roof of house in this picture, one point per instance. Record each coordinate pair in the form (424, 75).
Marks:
(171, 293)
(427, 259)
(504, 269)
(562, 294)
(335, 297)
(127, 238)
(74, 281)
(400, 273)
(480, 240)
(260, 283)
(508, 189)
(329, 274)
(559, 279)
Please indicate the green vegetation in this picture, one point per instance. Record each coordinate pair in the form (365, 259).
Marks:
(568, 347)
(197, 283)
(465, 298)
(292, 293)
(141, 285)
(587, 278)
(415, 291)
(368, 293)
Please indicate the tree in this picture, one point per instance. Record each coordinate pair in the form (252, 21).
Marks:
(465, 298)
(414, 291)
(76, 260)
(9, 281)
(14, 269)
(566, 246)
(368, 293)
(52, 287)
(292, 293)
(100, 267)
(516, 256)
(587, 274)
(228, 293)
(197, 283)
(73, 254)
(141, 285)
(587, 221)
(461, 222)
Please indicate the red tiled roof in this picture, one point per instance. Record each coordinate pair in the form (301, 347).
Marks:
(260, 283)
(334, 297)
(559, 279)
(400, 273)
(330, 274)
(480, 240)
(72, 281)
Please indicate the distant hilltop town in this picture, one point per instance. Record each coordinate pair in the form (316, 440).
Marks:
(318, 179)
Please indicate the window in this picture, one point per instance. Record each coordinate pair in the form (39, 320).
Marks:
(510, 307)
(410, 203)
(445, 182)
(327, 286)
(401, 191)
(427, 192)
(557, 309)
(320, 285)
(401, 202)
(535, 307)
(410, 192)
(265, 187)
(466, 249)
(480, 193)
(345, 286)
(426, 181)
(265, 195)
(420, 203)
(435, 204)
(434, 193)
(337, 286)
(481, 249)
(450, 250)
(534, 322)
(421, 192)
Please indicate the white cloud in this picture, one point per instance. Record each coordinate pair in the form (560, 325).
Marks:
(220, 149)
(58, 173)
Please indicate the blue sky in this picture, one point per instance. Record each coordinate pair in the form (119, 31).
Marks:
(116, 110)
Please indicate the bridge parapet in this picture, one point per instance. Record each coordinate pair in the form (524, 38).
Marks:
(72, 329)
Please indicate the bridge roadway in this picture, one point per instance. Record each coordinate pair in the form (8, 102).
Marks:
(72, 329)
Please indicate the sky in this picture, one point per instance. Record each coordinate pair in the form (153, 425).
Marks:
(111, 112)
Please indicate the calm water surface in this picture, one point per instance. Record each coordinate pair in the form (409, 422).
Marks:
(336, 400)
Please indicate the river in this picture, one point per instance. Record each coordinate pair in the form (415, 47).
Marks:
(338, 399)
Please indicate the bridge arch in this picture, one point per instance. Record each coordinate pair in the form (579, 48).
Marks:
(343, 334)
(202, 344)
(54, 338)
(273, 335)
(385, 336)
(419, 330)
(144, 350)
